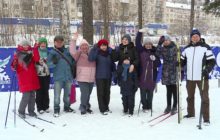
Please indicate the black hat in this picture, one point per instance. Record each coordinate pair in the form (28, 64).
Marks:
(195, 32)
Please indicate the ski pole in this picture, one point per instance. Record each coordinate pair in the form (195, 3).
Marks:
(202, 88)
(201, 106)
(15, 102)
(9, 99)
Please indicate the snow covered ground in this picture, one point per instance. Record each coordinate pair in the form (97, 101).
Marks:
(114, 126)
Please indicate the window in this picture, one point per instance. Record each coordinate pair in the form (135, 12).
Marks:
(5, 5)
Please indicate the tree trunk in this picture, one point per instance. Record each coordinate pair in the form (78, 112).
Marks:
(192, 15)
(64, 21)
(140, 14)
(105, 13)
(87, 17)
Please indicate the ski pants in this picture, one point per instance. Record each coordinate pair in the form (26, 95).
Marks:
(191, 86)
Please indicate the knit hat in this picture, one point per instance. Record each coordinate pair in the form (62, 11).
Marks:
(25, 42)
(42, 40)
(147, 41)
(103, 42)
(127, 36)
(58, 37)
(194, 32)
(83, 42)
(167, 37)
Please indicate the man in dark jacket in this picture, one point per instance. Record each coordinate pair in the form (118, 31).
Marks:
(199, 61)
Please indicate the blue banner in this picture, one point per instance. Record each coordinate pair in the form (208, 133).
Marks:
(7, 83)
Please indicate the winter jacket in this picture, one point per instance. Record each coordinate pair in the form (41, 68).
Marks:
(198, 58)
(126, 52)
(169, 56)
(103, 62)
(61, 69)
(148, 69)
(42, 67)
(85, 70)
(25, 69)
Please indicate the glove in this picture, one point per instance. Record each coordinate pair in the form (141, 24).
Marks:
(14, 64)
(54, 59)
(27, 58)
(205, 73)
(161, 40)
(152, 57)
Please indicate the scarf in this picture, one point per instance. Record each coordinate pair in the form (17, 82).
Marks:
(125, 71)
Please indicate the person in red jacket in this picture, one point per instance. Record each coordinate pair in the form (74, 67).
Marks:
(24, 64)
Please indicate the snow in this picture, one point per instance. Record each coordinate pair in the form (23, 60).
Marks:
(115, 125)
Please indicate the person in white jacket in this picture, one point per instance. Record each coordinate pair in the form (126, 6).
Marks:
(199, 61)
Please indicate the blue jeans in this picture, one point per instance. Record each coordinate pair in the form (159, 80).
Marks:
(58, 85)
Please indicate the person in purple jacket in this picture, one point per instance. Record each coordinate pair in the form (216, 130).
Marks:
(148, 68)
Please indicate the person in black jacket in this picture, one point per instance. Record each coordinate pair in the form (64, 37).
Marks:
(127, 58)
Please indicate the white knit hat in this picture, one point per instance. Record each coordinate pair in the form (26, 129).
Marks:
(25, 42)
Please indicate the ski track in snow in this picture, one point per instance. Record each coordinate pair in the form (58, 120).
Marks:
(114, 126)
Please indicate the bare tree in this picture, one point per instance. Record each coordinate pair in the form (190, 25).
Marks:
(87, 15)
(192, 15)
(105, 15)
(140, 14)
(64, 21)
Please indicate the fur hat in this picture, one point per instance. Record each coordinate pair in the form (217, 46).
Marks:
(25, 42)
(147, 41)
(127, 36)
(167, 37)
(195, 32)
(103, 41)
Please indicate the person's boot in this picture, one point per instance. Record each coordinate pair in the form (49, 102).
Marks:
(167, 110)
(173, 111)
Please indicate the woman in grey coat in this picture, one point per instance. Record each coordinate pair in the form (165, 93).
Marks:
(168, 52)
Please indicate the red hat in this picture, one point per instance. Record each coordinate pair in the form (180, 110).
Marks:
(103, 42)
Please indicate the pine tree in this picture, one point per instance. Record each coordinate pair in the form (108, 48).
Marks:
(212, 7)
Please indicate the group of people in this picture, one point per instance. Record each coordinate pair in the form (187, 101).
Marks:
(137, 67)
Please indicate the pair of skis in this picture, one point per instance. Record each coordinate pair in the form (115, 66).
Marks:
(35, 126)
(159, 119)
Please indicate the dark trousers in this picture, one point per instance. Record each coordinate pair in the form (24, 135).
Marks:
(128, 95)
(146, 98)
(42, 95)
(103, 93)
(191, 86)
(171, 91)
